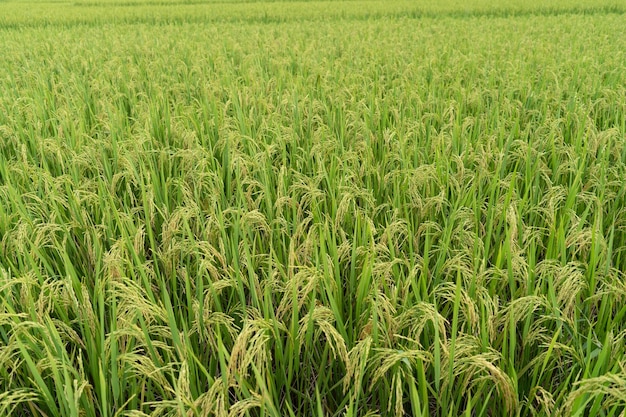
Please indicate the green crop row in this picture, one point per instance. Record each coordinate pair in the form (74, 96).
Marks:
(37, 13)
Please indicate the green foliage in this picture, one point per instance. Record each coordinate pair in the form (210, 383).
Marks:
(313, 208)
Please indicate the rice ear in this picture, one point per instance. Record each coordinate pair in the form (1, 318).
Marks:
(322, 319)
(611, 386)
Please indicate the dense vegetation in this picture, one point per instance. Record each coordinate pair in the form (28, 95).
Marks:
(349, 208)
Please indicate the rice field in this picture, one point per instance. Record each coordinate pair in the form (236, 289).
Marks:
(312, 208)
